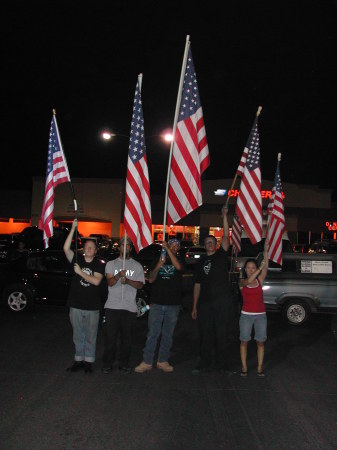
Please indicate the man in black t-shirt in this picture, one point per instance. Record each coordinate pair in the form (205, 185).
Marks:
(212, 301)
(166, 291)
(84, 301)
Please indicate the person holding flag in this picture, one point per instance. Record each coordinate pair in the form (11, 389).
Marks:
(166, 297)
(84, 301)
(124, 276)
(253, 312)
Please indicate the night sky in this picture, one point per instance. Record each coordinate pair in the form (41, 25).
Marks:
(83, 60)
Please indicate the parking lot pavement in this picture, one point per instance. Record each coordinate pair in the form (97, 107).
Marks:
(43, 406)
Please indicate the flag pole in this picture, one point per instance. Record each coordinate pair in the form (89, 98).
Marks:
(174, 128)
(71, 184)
(258, 112)
(268, 222)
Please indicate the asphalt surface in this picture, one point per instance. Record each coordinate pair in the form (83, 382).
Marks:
(45, 407)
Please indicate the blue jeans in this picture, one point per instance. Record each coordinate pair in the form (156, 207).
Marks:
(85, 326)
(162, 319)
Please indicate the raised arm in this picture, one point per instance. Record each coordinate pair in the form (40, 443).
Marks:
(225, 239)
(264, 265)
(66, 247)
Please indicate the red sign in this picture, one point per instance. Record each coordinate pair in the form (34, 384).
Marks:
(332, 226)
(264, 194)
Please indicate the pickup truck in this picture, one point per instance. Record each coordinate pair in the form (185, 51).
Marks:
(305, 284)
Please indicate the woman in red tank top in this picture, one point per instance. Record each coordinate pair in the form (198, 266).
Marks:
(253, 312)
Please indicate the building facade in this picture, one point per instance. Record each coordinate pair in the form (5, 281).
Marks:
(309, 212)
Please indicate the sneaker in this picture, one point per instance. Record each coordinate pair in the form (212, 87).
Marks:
(165, 366)
(77, 365)
(143, 367)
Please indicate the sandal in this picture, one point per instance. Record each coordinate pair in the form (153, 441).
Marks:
(260, 374)
(243, 373)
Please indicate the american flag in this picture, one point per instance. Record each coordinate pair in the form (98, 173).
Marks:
(249, 204)
(276, 220)
(57, 173)
(137, 212)
(242, 163)
(236, 233)
(190, 156)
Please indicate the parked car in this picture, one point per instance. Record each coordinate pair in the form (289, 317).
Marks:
(193, 254)
(44, 277)
(305, 284)
(249, 250)
(33, 239)
(147, 255)
(300, 248)
(324, 246)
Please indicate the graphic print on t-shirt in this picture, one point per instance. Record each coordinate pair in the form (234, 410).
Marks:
(167, 271)
(88, 272)
(207, 266)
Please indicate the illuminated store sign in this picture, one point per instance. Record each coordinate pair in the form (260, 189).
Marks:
(235, 193)
(332, 226)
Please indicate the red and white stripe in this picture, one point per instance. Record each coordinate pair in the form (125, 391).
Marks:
(236, 234)
(276, 228)
(249, 204)
(190, 158)
(242, 163)
(137, 213)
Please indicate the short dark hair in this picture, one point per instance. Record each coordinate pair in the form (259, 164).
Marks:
(90, 240)
(121, 241)
(210, 236)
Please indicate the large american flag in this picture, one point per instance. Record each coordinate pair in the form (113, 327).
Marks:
(137, 212)
(276, 220)
(190, 155)
(57, 173)
(249, 204)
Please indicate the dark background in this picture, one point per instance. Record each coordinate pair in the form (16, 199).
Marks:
(83, 60)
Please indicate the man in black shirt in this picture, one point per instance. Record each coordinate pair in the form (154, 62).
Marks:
(84, 301)
(166, 290)
(212, 300)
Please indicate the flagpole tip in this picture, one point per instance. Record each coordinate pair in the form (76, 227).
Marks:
(259, 109)
(54, 112)
(279, 157)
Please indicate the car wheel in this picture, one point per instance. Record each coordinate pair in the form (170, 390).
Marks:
(18, 298)
(141, 301)
(296, 312)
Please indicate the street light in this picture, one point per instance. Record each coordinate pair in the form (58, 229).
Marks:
(106, 135)
(166, 136)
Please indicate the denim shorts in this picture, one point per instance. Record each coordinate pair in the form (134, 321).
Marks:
(259, 321)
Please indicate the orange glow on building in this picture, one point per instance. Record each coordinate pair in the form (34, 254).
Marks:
(9, 226)
(87, 228)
